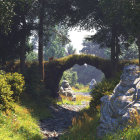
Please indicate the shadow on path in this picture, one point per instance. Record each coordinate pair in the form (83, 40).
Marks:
(61, 120)
(59, 123)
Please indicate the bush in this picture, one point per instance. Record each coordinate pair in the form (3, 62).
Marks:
(11, 86)
(70, 76)
(17, 84)
(5, 94)
(105, 87)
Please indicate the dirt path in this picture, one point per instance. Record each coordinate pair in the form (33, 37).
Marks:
(61, 120)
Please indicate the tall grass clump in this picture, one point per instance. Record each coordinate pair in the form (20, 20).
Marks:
(83, 128)
(81, 88)
(105, 87)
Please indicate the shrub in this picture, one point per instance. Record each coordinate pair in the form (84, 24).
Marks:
(105, 87)
(5, 94)
(17, 84)
(11, 86)
(70, 76)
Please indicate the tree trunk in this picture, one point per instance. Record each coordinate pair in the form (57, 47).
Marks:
(113, 47)
(40, 34)
(117, 52)
(22, 55)
(138, 43)
(22, 45)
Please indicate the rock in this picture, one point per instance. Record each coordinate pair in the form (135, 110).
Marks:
(66, 90)
(116, 108)
(59, 99)
(74, 97)
(92, 84)
(65, 85)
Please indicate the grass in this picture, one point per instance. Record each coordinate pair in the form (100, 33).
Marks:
(81, 88)
(39, 106)
(131, 132)
(83, 128)
(23, 122)
(19, 125)
(79, 100)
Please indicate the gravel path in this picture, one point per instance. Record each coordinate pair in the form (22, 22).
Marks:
(62, 119)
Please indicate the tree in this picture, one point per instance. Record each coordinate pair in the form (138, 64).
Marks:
(48, 15)
(14, 41)
(69, 49)
(55, 40)
(70, 76)
(129, 53)
(132, 13)
(6, 14)
(40, 35)
(31, 56)
(93, 48)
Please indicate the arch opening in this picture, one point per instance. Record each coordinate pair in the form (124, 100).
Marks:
(54, 69)
(82, 75)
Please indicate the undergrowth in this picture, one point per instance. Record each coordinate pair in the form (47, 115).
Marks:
(81, 88)
(80, 99)
(22, 123)
(83, 128)
(19, 125)
(130, 132)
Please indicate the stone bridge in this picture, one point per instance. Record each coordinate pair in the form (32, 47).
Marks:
(54, 69)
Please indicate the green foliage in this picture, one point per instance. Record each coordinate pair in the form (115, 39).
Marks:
(32, 56)
(81, 88)
(78, 101)
(129, 134)
(17, 84)
(5, 94)
(70, 76)
(7, 12)
(129, 53)
(11, 86)
(55, 45)
(105, 87)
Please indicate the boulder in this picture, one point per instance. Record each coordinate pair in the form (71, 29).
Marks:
(116, 108)
(92, 84)
(66, 90)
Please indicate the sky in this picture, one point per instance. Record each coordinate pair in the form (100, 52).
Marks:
(77, 37)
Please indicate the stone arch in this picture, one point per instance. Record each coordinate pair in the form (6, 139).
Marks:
(54, 69)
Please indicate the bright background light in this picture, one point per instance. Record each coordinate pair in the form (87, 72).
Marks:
(77, 37)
